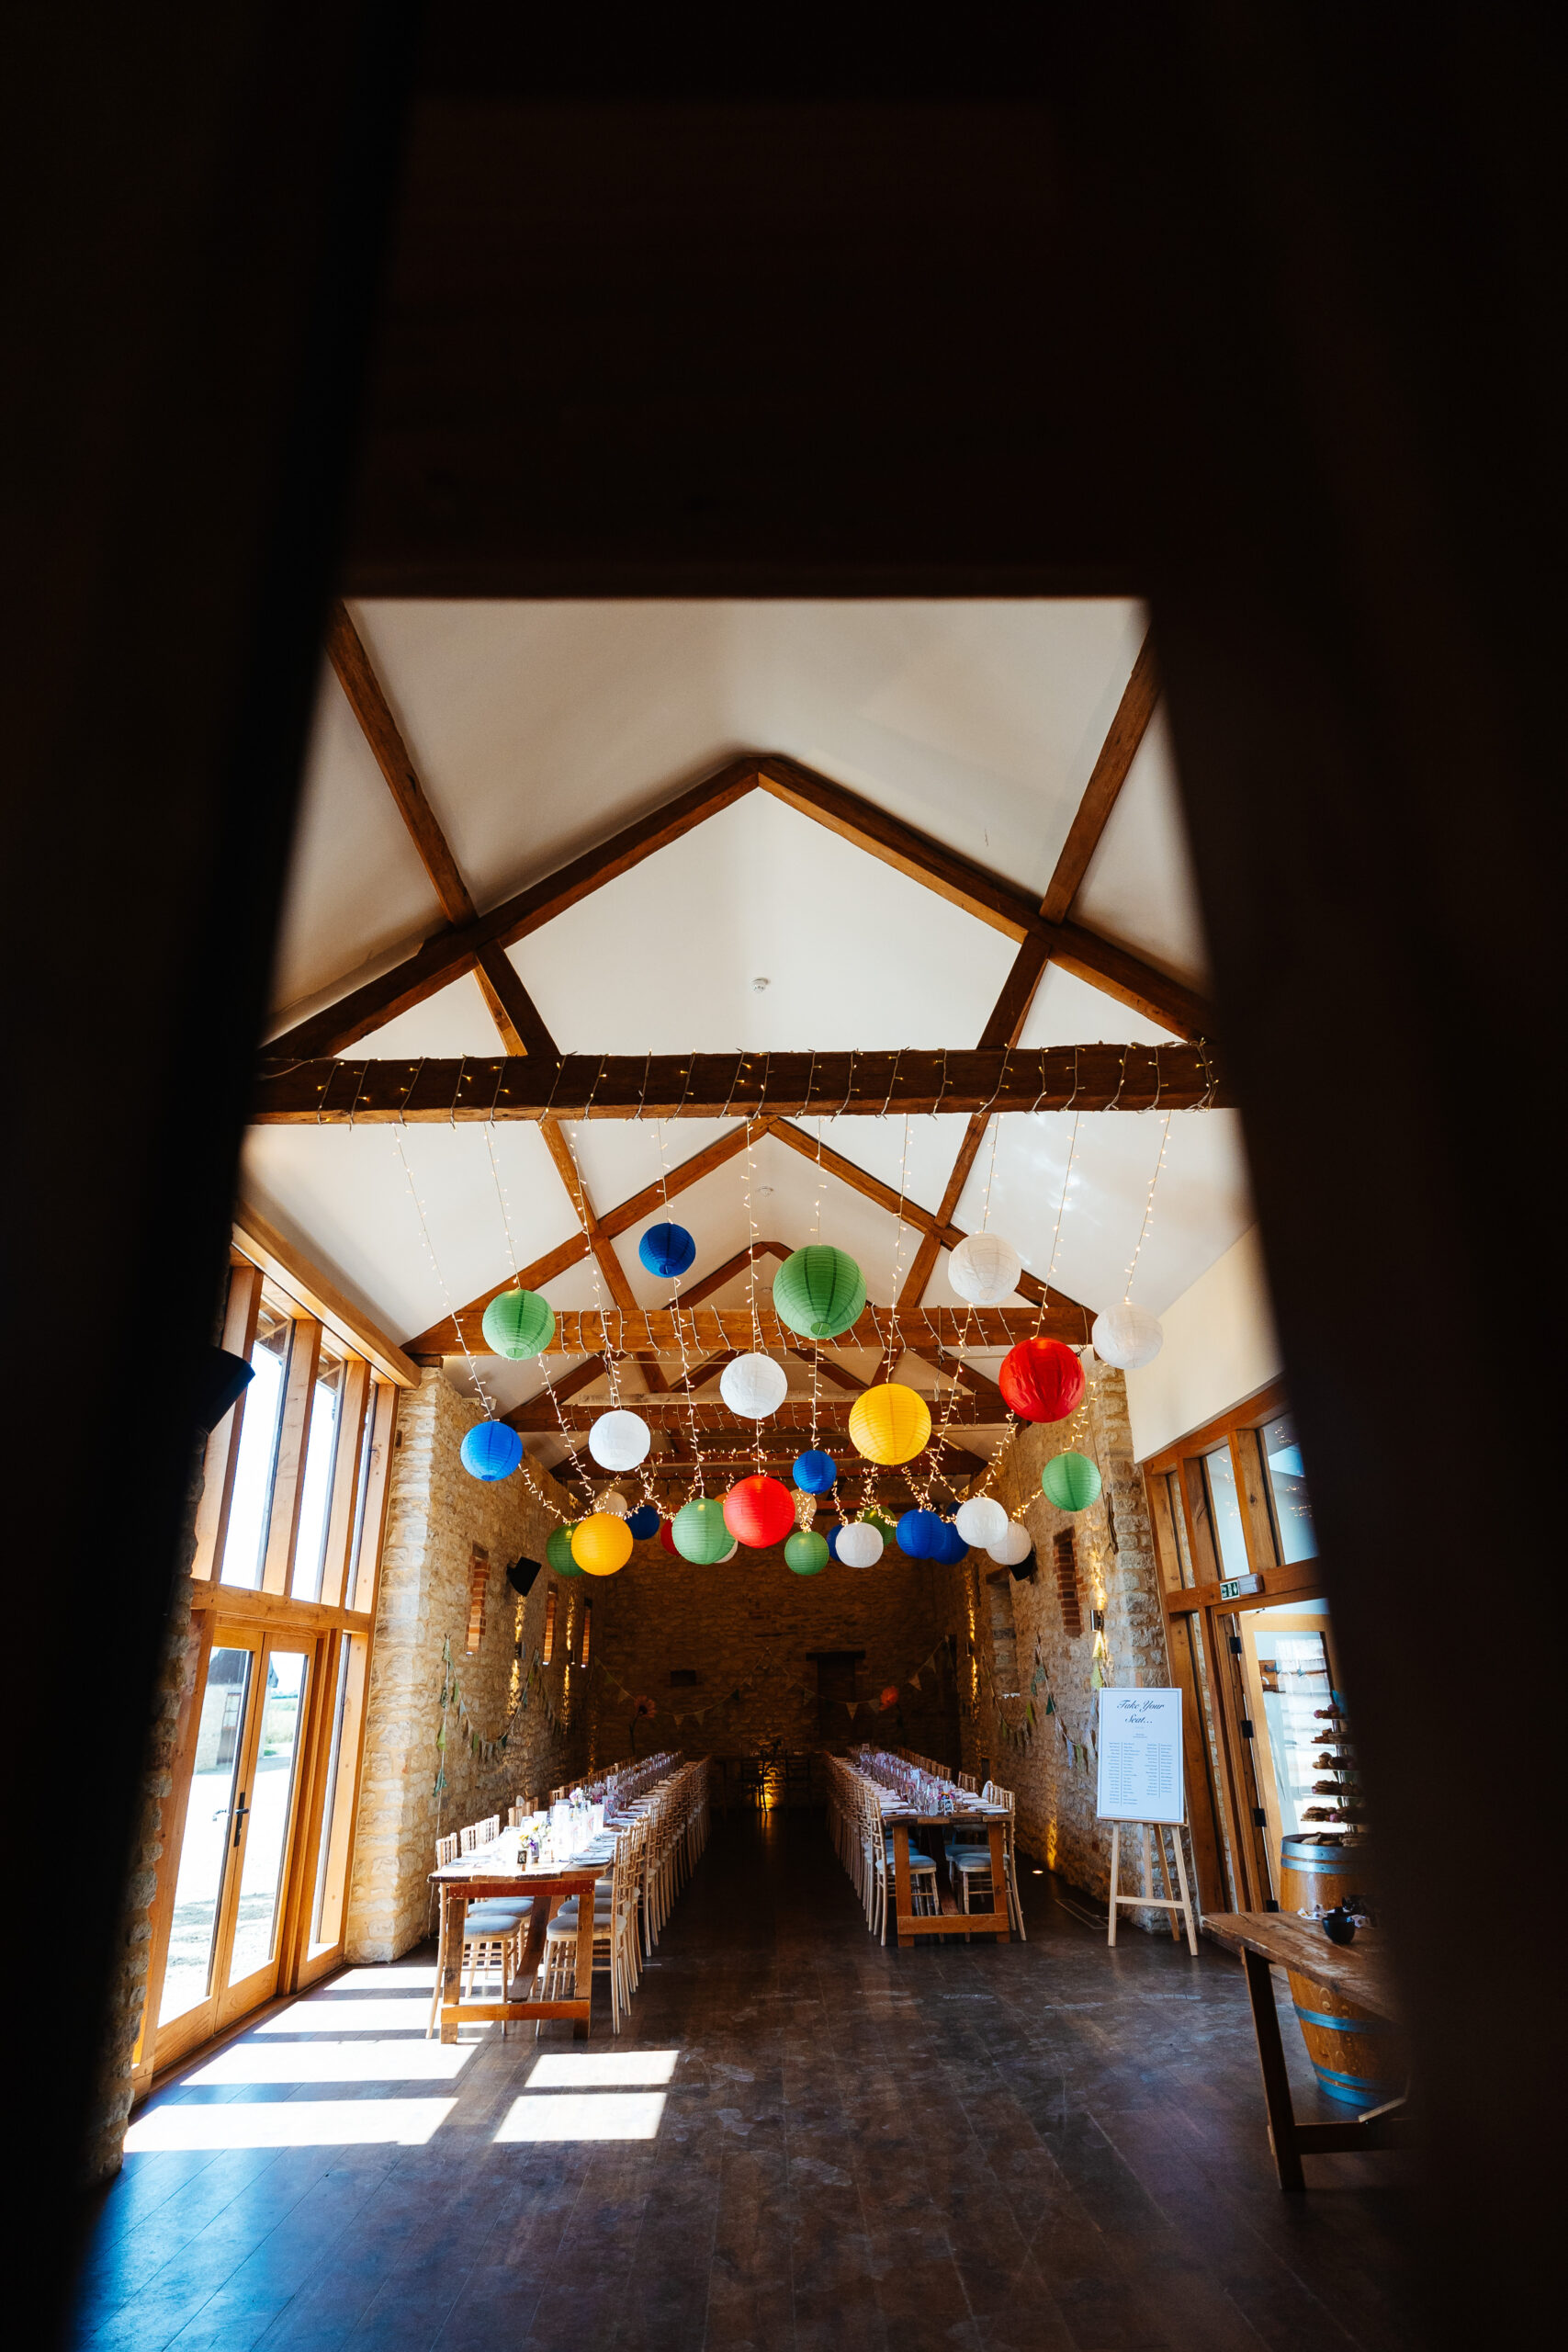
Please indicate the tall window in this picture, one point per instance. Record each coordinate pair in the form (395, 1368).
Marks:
(316, 1496)
(250, 1513)
(1289, 1502)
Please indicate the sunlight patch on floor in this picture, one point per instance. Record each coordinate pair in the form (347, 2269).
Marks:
(321, 2016)
(583, 2115)
(176, 2126)
(335, 2061)
(569, 2070)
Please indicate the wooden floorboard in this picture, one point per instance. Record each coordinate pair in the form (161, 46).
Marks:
(1046, 2147)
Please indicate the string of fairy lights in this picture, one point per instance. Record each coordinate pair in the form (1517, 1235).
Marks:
(1124, 1336)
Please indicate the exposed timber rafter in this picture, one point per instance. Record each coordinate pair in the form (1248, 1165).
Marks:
(708, 1330)
(774, 1086)
(989, 897)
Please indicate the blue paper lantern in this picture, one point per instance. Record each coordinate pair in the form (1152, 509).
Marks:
(949, 1548)
(667, 1251)
(814, 1471)
(491, 1450)
(833, 1534)
(919, 1532)
(644, 1521)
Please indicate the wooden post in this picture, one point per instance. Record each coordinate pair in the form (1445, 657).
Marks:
(1115, 1878)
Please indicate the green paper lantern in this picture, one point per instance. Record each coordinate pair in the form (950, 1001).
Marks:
(699, 1533)
(558, 1551)
(1070, 1481)
(820, 1291)
(886, 1527)
(519, 1323)
(806, 1552)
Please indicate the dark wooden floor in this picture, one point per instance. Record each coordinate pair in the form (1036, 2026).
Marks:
(1046, 2145)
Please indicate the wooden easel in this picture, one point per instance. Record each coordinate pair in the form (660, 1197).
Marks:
(1149, 1900)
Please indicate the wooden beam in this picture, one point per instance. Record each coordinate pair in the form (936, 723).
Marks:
(450, 953)
(616, 1279)
(446, 1339)
(708, 1086)
(309, 1288)
(988, 896)
(356, 676)
(1117, 753)
(675, 1414)
(653, 1197)
(1002, 904)
(706, 1330)
(513, 1010)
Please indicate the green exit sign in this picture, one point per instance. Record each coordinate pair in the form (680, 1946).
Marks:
(1234, 1586)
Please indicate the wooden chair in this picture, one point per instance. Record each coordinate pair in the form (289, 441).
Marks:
(493, 1933)
(966, 1780)
(993, 1793)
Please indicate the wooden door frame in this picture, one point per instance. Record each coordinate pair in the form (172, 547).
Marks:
(1213, 1605)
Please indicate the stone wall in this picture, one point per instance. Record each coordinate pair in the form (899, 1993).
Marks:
(1055, 1787)
(436, 1513)
(128, 1987)
(747, 1630)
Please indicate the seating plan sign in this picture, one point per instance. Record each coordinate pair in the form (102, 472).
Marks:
(1140, 1757)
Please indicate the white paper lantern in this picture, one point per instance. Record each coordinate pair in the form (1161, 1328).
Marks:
(728, 1555)
(1127, 1336)
(619, 1441)
(981, 1521)
(859, 1544)
(1014, 1546)
(615, 1503)
(983, 1269)
(754, 1386)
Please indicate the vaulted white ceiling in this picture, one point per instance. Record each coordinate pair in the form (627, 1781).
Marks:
(537, 730)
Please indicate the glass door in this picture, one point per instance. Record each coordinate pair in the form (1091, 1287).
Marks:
(1291, 1677)
(232, 1881)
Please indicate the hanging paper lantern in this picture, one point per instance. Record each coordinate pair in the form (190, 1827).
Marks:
(834, 1532)
(1127, 1336)
(885, 1527)
(725, 1557)
(753, 1386)
(701, 1536)
(1071, 1481)
(820, 1291)
(667, 1251)
(601, 1544)
(981, 1521)
(889, 1423)
(644, 1522)
(518, 1323)
(859, 1546)
(557, 1551)
(889, 1697)
(1013, 1547)
(758, 1510)
(615, 1503)
(1041, 1380)
(918, 1533)
(985, 1269)
(491, 1450)
(805, 1554)
(619, 1441)
(814, 1471)
(949, 1548)
(666, 1537)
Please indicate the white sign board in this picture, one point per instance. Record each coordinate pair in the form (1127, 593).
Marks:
(1140, 1757)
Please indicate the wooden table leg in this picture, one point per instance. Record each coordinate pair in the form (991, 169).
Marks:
(999, 1898)
(1276, 2082)
(903, 1902)
(583, 1987)
(454, 1913)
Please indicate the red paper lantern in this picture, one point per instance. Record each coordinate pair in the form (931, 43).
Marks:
(758, 1510)
(666, 1537)
(1042, 1380)
(890, 1697)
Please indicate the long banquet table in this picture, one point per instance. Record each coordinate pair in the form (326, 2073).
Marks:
(900, 1817)
(498, 1869)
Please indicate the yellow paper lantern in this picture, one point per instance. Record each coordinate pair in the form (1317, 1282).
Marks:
(601, 1543)
(889, 1423)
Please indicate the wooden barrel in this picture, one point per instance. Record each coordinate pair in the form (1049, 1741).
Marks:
(1357, 2057)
